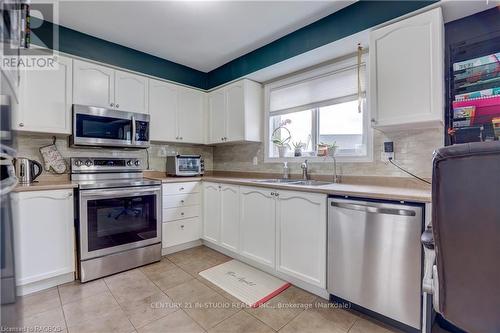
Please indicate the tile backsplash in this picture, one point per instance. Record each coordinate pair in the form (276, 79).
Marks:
(28, 145)
(413, 151)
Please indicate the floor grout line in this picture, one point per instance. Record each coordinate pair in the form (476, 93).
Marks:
(119, 305)
(62, 309)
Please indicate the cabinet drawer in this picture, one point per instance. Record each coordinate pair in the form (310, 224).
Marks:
(181, 200)
(179, 188)
(172, 214)
(180, 232)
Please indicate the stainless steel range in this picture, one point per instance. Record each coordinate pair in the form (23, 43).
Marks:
(119, 216)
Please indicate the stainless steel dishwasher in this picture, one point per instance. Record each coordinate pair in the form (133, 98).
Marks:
(374, 257)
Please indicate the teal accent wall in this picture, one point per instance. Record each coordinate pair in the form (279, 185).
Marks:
(357, 17)
(86, 46)
(345, 22)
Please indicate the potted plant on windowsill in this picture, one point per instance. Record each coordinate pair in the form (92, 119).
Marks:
(297, 148)
(327, 149)
(282, 143)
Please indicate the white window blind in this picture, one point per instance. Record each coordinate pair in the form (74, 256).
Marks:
(334, 85)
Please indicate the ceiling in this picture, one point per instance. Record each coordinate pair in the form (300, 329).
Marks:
(200, 34)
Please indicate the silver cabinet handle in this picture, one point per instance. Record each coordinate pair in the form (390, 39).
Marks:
(180, 137)
(272, 193)
(182, 226)
(21, 124)
(182, 201)
(181, 189)
(182, 213)
(117, 105)
(375, 210)
(112, 104)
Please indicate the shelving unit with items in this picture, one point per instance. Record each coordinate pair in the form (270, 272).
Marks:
(473, 110)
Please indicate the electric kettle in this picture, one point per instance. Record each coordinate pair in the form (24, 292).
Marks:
(27, 170)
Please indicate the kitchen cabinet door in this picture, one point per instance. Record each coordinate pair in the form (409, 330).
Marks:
(93, 85)
(301, 236)
(43, 235)
(235, 112)
(257, 225)
(406, 73)
(131, 92)
(229, 222)
(162, 111)
(191, 115)
(211, 212)
(46, 100)
(217, 113)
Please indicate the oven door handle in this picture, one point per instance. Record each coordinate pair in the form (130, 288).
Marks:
(133, 129)
(120, 193)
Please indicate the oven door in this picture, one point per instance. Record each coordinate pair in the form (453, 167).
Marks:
(114, 220)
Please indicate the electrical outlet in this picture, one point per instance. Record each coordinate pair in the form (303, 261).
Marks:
(255, 160)
(162, 152)
(385, 156)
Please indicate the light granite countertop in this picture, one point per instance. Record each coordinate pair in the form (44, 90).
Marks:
(372, 191)
(406, 192)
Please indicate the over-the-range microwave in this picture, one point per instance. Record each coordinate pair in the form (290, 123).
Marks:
(102, 127)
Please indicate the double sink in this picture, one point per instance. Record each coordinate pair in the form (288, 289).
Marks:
(294, 182)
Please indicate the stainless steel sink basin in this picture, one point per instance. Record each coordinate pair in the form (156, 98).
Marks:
(312, 183)
(278, 180)
(295, 182)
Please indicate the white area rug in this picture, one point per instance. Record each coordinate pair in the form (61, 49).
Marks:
(251, 286)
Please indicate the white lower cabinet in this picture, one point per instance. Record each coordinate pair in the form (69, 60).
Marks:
(181, 213)
(44, 238)
(257, 225)
(180, 232)
(211, 211)
(301, 236)
(230, 217)
(221, 215)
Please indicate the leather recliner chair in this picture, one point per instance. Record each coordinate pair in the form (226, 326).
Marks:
(462, 249)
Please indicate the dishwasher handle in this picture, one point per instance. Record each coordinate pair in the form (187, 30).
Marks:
(375, 210)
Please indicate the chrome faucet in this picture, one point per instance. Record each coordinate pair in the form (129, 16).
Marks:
(304, 167)
(286, 171)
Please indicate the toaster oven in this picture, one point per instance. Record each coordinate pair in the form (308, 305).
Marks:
(185, 165)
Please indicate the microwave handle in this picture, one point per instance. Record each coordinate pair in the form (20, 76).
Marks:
(133, 129)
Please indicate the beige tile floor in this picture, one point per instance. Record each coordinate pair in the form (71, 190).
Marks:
(170, 296)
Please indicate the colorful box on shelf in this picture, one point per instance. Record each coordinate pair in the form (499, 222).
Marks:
(476, 62)
(478, 94)
(485, 108)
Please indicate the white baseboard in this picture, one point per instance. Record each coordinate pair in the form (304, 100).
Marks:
(180, 247)
(45, 284)
(323, 293)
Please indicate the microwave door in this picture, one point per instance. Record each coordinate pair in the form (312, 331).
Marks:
(102, 131)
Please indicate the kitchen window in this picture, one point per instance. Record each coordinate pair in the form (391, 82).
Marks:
(311, 112)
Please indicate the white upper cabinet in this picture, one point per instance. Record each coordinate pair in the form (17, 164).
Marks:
(301, 241)
(131, 92)
(236, 112)
(46, 99)
(96, 85)
(93, 85)
(191, 115)
(177, 113)
(257, 225)
(162, 111)
(217, 113)
(407, 73)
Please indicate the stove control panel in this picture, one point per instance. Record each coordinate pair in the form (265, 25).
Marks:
(104, 164)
